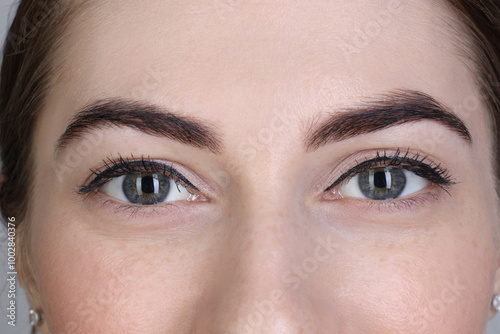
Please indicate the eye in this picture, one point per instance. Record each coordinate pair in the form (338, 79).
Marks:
(145, 188)
(383, 183)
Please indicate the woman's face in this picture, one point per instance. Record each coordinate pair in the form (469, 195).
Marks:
(318, 177)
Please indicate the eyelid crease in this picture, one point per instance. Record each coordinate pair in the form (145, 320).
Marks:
(416, 164)
(391, 109)
(114, 168)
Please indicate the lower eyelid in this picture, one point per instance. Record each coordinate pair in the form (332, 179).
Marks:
(123, 211)
(363, 206)
(409, 202)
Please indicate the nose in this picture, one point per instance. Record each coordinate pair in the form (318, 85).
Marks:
(264, 283)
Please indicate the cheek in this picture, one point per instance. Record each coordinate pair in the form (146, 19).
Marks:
(425, 284)
(97, 283)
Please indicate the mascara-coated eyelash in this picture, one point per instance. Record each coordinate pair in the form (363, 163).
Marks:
(114, 168)
(417, 164)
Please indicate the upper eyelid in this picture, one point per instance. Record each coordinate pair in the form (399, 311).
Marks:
(394, 160)
(135, 165)
(164, 168)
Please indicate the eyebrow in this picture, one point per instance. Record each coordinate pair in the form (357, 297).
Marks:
(392, 109)
(147, 118)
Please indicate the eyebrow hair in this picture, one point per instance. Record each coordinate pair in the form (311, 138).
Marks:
(392, 109)
(147, 118)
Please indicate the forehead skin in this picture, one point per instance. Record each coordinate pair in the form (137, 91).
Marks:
(231, 49)
(239, 65)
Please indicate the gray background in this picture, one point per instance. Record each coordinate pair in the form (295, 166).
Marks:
(7, 12)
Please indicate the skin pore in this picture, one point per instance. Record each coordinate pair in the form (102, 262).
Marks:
(261, 247)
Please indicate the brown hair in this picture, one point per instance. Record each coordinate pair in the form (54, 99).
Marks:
(24, 81)
(37, 31)
(481, 19)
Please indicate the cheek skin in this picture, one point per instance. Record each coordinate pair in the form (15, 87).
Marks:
(420, 287)
(414, 285)
(123, 285)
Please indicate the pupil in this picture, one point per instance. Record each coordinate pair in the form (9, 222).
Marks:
(147, 185)
(146, 188)
(382, 183)
(379, 180)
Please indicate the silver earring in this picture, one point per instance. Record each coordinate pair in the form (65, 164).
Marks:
(35, 319)
(495, 303)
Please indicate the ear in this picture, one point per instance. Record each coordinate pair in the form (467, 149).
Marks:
(25, 270)
(496, 289)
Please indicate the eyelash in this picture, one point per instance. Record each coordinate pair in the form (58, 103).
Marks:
(418, 164)
(116, 167)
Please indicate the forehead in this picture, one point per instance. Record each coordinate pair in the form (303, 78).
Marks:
(195, 54)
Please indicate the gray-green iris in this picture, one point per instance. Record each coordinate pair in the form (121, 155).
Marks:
(382, 183)
(146, 188)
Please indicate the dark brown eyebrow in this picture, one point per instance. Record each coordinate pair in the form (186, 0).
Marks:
(148, 118)
(392, 109)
